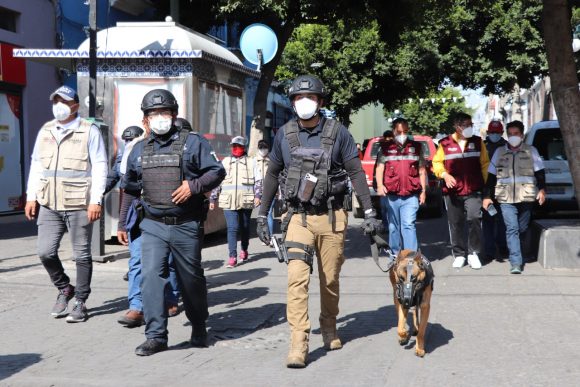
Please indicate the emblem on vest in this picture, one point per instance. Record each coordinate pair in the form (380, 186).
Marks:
(412, 149)
(392, 151)
(452, 149)
(471, 146)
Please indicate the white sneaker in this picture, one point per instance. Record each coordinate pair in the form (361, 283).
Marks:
(473, 261)
(458, 262)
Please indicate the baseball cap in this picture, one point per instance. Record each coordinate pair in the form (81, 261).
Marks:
(238, 140)
(67, 93)
(495, 127)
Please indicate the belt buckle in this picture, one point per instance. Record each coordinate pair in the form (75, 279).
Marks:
(170, 220)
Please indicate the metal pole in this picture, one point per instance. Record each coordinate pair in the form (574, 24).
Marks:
(174, 10)
(98, 237)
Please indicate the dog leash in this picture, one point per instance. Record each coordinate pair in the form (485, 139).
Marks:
(375, 242)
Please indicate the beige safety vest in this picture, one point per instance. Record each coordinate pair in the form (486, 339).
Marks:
(262, 165)
(237, 190)
(516, 182)
(66, 175)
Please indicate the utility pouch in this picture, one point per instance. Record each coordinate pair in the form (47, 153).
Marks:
(347, 202)
(140, 211)
(306, 189)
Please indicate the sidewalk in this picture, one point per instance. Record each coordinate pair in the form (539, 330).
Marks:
(487, 328)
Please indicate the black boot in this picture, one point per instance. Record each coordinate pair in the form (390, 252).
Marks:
(199, 336)
(150, 347)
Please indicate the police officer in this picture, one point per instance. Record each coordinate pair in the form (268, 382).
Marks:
(171, 169)
(129, 134)
(311, 153)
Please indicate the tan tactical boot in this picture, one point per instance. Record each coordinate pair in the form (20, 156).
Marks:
(329, 336)
(298, 350)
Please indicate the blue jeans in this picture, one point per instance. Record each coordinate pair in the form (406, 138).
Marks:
(402, 214)
(516, 217)
(493, 232)
(238, 221)
(385, 211)
(134, 295)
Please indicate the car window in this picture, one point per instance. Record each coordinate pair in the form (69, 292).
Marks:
(549, 144)
(426, 150)
(375, 149)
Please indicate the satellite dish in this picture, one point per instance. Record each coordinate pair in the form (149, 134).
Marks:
(258, 37)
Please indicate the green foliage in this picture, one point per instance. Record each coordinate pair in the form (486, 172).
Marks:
(431, 118)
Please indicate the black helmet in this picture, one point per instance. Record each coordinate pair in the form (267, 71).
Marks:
(306, 84)
(182, 124)
(131, 133)
(159, 98)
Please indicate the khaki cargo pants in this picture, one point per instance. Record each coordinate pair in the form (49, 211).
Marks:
(328, 245)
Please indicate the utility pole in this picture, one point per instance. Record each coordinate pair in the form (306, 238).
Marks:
(92, 58)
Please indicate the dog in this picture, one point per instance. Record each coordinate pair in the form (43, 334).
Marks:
(412, 278)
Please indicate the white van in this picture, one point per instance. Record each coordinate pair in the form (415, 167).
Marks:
(546, 137)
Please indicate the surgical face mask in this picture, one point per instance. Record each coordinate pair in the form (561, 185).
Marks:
(401, 138)
(263, 152)
(515, 141)
(61, 111)
(467, 132)
(494, 137)
(160, 125)
(238, 151)
(305, 108)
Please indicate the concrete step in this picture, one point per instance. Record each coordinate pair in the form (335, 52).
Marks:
(558, 243)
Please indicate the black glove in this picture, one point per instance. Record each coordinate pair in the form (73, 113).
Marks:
(262, 229)
(371, 225)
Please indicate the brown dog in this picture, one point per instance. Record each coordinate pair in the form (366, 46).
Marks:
(412, 279)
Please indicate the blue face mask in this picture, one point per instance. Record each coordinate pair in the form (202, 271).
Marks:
(494, 137)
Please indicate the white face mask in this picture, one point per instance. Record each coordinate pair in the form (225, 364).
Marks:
(61, 111)
(263, 152)
(305, 108)
(467, 132)
(515, 141)
(401, 138)
(160, 125)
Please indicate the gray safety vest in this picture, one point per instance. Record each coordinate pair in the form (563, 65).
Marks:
(162, 172)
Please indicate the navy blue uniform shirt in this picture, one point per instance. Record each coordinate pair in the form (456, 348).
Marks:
(344, 148)
(201, 168)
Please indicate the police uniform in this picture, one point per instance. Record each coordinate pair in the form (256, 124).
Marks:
(156, 167)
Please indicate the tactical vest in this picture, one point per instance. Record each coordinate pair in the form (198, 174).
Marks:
(463, 165)
(516, 182)
(162, 172)
(237, 189)
(66, 174)
(316, 162)
(401, 176)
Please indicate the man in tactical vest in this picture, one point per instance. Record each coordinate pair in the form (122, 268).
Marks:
(314, 157)
(171, 170)
(68, 173)
(461, 161)
(516, 180)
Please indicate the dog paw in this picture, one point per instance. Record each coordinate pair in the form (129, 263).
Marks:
(404, 340)
(419, 352)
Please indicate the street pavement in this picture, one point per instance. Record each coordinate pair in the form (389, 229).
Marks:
(486, 328)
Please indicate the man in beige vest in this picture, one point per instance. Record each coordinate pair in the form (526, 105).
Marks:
(236, 197)
(516, 180)
(68, 174)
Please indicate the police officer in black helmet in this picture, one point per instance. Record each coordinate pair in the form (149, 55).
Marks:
(129, 134)
(314, 157)
(171, 169)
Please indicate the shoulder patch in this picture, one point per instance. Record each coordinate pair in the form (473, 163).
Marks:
(214, 156)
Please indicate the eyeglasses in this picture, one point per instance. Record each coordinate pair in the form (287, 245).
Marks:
(162, 113)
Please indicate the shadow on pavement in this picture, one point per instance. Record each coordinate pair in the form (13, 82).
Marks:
(437, 336)
(18, 229)
(110, 307)
(16, 268)
(243, 277)
(235, 297)
(13, 364)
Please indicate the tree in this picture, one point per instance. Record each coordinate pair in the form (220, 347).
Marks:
(564, 80)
